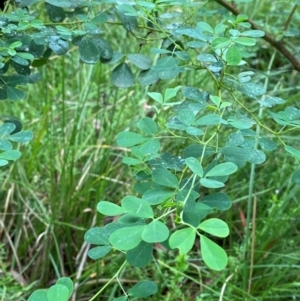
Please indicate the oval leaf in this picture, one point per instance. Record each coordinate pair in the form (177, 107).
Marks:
(141, 255)
(88, 51)
(128, 139)
(195, 166)
(183, 240)
(209, 183)
(122, 76)
(96, 236)
(98, 252)
(219, 200)
(147, 125)
(233, 56)
(141, 61)
(58, 292)
(215, 226)
(137, 207)
(110, 209)
(143, 289)
(67, 282)
(154, 232)
(39, 295)
(164, 177)
(213, 255)
(127, 238)
(223, 169)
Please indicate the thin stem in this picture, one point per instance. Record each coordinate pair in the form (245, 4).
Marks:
(109, 282)
(251, 187)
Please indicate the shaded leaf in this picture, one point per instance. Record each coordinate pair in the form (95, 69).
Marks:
(61, 3)
(14, 93)
(98, 252)
(148, 77)
(143, 289)
(164, 177)
(157, 196)
(88, 50)
(194, 131)
(129, 22)
(57, 45)
(116, 56)
(55, 13)
(296, 177)
(141, 255)
(128, 139)
(122, 76)
(219, 200)
(104, 48)
(141, 61)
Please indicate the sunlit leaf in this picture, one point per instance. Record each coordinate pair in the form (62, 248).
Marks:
(215, 226)
(183, 239)
(58, 292)
(137, 207)
(110, 209)
(127, 238)
(155, 231)
(67, 282)
(213, 255)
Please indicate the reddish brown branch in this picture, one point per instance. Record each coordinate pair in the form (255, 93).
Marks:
(279, 45)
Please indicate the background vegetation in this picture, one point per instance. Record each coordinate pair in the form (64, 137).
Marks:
(49, 196)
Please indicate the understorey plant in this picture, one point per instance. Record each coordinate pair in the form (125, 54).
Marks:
(177, 195)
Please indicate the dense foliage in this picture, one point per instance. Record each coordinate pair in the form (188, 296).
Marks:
(177, 194)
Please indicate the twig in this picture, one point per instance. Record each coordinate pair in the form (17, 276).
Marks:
(279, 45)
